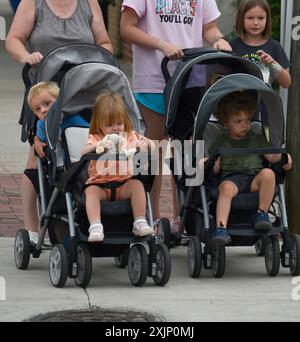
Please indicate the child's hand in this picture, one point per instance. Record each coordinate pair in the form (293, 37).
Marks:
(288, 165)
(142, 144)
(39, 147)
(265, 57)
(104, 145)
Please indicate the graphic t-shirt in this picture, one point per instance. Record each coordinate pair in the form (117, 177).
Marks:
(272, 47)
(179, 22)
(249, 164)
(105, 171)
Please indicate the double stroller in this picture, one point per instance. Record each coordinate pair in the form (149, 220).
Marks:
(83, 71)
(189, 116)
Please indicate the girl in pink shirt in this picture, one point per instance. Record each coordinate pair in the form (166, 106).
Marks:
(110, 117)
(158, 28)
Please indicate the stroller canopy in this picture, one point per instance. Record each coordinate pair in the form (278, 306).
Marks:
(69, 55)
(79, 89)
(54, 66)
(211, 61)
(242, 82)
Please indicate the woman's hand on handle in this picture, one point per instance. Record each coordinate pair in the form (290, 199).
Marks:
(172, 51)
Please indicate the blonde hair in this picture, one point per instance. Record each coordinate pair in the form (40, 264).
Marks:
(247, 5)
(36, 90)
(109, 108)
(233, 104)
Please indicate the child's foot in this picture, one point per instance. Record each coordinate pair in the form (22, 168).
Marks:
(220, 237)
(33, 237)
(262, 221)
(96, 232)
(142, 228)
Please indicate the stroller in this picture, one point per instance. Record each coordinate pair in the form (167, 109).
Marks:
(192, 77)
(62, 177)
(198, 202)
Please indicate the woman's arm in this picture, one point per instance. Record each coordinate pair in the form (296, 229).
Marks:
(131, 33)
(213, 36)
(19, 33)
(98, 27)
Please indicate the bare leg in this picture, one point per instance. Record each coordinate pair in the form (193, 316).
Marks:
(94, 195)
(227, 191)
(156, 131)
(134, 190)
(29, 197)
(264, 183)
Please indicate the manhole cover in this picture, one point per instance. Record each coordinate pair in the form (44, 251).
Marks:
(95, 315)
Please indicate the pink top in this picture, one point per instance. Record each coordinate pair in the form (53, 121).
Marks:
(104, 171)
(178, 22)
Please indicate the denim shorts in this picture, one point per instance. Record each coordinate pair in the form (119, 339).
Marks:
(242, 182)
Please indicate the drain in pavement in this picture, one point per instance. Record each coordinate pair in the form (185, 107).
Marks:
(95, 315)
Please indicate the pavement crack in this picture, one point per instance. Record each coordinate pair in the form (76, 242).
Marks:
(88, 297)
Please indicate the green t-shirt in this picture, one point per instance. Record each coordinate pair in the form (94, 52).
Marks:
(246, 164)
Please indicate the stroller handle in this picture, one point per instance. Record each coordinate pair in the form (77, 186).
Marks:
(25, 76)
(190, 53)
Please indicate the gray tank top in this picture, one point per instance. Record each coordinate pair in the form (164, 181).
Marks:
(51, 31)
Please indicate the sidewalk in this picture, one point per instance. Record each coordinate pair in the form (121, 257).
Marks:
(11, 216)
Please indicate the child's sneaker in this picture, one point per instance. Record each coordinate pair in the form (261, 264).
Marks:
(262, 221)
(33, 237)
(96, 232)
(220, 237)
(141, 228)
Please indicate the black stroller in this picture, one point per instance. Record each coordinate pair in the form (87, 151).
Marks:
(193, 76)
(62, 177)
(198, 202)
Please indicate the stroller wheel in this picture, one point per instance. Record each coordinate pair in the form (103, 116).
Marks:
(58, 266)
(260, 246)
(122, 260)
(22, 249)
(163, 265)
(272, 255)
(84, 266)
(218, 261)
(295, 255)
(138, 265)
(164, 232)
(194, 257)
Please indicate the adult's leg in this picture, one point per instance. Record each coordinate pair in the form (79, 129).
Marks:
(29, 197)
(156, 131)
(227, 191)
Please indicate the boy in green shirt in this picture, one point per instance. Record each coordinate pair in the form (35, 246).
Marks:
(243, 173)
